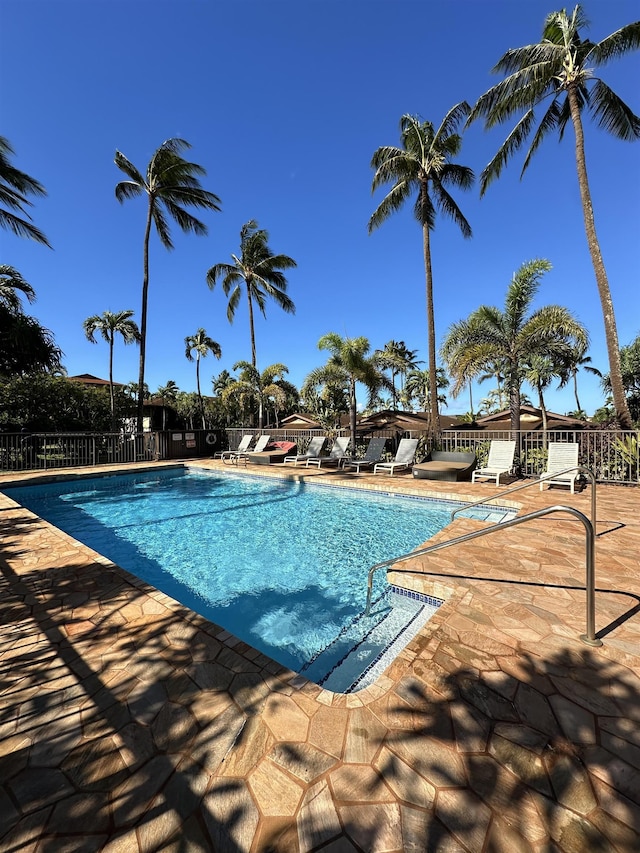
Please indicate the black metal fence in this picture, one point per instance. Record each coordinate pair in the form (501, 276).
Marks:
(613, 456)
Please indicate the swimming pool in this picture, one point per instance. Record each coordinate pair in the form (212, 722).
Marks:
(282, 565)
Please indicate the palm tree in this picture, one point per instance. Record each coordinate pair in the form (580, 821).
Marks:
(168, 394)
(348, 364)
(259, 387)
(109, 325)
(561, 68)
(511, 337)
(260, 271)
(171, 184)
(574, 361)
(395, 357)
(25, 345)
(15, 186)
(540, 373)
(418, 387)
(203, 345)
(423, 166)
(11, 286)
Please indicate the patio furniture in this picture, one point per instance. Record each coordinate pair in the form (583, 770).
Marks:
(500, 461)
(562, 455)
(243, 455)
(315, 446)
(373, 454)
(444, 465)
(245, 443)
(274, 454)
(336, 454)
(404, 458)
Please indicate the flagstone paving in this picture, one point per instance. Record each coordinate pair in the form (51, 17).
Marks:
(129, 723)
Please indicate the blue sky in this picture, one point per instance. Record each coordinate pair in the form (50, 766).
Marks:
(284, 103)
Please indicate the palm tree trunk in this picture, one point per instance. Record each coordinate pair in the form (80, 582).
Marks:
(514, 406)
(352, 413)
(543, 412)
(470, 399)
(434, 415)
(610, 329)
(143, 318)
(575, 390)
(198, 387)
(111, 399)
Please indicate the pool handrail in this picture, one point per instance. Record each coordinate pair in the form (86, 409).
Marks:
(582, 468)
(590, 558)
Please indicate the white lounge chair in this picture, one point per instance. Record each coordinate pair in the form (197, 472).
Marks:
(315, 446)
(404, 458)
(245, 443)
(337, 452)
(500, 461)
(374, 452)
(243, 455)
(562, 455)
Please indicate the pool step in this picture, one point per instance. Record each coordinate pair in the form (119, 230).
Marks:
(368, 644)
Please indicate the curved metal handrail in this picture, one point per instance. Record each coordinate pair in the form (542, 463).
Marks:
(582, 468)
(589, 637)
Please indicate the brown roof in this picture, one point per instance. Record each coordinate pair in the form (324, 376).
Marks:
(88, 379)
(530, 419)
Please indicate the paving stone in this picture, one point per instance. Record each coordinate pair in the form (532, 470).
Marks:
(435, 762)
(402, 779)
(364, 737)
(286, 720)
(374, 828)
(131, 799)
(327, 730)
(302, 760)
(34, 788)
(275, 791)
(317, 819)
(230, 815)
(534, 709)
(526, 765)
(577, 724)
(464, 815)
(215, 740)
(358, 783)
(570, 783)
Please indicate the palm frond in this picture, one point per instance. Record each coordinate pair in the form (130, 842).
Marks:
(21, 227)
(392, 202)
(511, 144)
(612, 114)
(128, 168)
(617, 44)
(448, 206)
(451, 122)
(128, 189)
(186, 221)
(548, 123)
(161, 225)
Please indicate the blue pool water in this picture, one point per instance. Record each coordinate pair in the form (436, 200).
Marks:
(281, 565)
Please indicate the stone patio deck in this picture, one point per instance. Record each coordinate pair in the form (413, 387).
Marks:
(129, 723)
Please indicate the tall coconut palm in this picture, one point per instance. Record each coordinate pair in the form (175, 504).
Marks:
(560, 70)
(171, 184)
(399, 360)
(109, 325)
(418, 388)
(511, 337)
(540, 372)
(348, 364)
(203, 345)
(257, 386)
(260, 271)
(12, 286)
(15, 186)
(422, 166)
(168, 394)
(575, 359)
